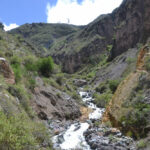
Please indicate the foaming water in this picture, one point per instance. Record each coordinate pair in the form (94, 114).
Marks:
(73, 137)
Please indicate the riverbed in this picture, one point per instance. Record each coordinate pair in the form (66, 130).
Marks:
(87, 135)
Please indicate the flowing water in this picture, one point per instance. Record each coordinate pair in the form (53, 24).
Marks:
(73, 137)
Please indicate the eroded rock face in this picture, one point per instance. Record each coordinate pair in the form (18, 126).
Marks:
(51, 103)
(116, 68)
(129, 107)
(123, 28)
(132, 25)
(6, 71)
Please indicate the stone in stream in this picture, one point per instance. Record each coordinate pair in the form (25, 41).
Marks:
(88, 136)
(79, 82)
(107, 139)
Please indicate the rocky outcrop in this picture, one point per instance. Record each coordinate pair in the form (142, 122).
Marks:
(132, 25)
(6, 71)
(79, 82)
(124, 28)
(52, 103)
(116, 68)
(103, 138)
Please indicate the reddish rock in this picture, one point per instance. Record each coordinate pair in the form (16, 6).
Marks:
(6, 71)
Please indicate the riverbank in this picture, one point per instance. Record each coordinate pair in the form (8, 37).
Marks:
(88, 134)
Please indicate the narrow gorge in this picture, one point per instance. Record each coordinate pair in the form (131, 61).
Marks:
(69, 87)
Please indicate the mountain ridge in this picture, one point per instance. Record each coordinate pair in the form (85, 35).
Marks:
(126, 26)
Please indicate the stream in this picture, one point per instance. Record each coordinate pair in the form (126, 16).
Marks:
(86, 136)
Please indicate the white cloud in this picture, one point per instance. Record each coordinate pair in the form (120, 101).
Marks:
(10, 26)
(69, 11)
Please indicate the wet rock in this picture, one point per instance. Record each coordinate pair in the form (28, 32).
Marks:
(56, 132)
(107, 139)
(60, 139)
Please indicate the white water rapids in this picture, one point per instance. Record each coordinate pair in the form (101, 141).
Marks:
(73, 136)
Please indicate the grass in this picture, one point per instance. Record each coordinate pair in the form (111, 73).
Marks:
(23, 96)
(147, 64)
(141, 144)
(17, 132)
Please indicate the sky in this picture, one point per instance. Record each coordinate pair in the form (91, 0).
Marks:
(14, 13)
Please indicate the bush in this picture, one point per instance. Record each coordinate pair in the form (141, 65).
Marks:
(130, 60)
(15, 132)
(16, 66)
(113, 84)
(32, 83)
(46, 66)
(102, 100)
(147, 64)
(20, 92)
(30, 63)
(141, 144)
(101, 88)
(19, 133)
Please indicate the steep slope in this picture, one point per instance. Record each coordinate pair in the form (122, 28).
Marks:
(42, 35)
(132, 25)
(129, 107)
(28, 97)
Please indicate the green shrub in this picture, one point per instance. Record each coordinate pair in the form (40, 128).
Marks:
(20, 92)
(16, 66)
(101, 88)
(147, 64)
(102, 100)
(32, 83)
(109, 48)
(30, 63)
(16, 132)
(113, 84)
(15, 60)
(46, 66)
(131, 60)
(141, 144)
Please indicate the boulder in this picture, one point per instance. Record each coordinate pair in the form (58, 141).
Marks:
(55, 104)
(79, 82)
(6, 71)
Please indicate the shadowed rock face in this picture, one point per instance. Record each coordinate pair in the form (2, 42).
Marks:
(6, 71)
(132, 25)
(123, 28)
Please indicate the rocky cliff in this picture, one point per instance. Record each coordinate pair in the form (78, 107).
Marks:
(131, 24)
(123, 29)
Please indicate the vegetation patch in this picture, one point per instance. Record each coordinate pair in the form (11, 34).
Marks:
(18, 133)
